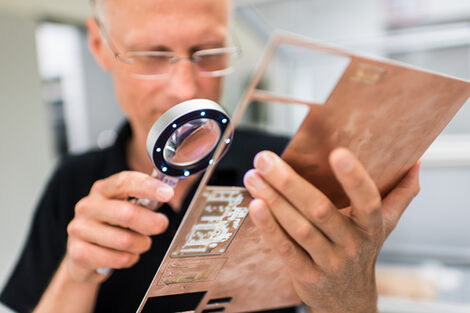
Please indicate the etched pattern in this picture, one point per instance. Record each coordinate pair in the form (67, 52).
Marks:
(188, 271)
(216, 225)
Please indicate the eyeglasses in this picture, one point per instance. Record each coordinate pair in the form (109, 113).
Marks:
(213, 62)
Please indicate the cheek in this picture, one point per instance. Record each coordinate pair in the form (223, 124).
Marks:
(125, 93)
(133, 94)
(210, 88)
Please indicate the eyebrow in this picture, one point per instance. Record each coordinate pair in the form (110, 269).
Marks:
(211, 43)
(208, 45)
(151, 48)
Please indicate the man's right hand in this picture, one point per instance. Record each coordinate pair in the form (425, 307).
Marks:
(108, 231)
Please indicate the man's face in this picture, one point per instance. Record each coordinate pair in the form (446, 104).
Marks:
(180, 26)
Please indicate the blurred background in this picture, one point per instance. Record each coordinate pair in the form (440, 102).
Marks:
(54, 100)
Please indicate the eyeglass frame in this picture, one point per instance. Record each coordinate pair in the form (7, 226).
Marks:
(234, 50)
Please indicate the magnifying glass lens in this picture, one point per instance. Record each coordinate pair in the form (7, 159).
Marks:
(191, 142)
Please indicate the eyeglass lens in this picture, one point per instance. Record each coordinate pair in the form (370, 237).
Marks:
(161, 64)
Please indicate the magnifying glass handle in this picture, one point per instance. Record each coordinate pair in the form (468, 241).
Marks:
(149, 204)
(170, 181)
(146, 203)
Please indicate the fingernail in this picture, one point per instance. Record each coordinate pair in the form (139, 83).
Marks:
(165, 192)
(253, 180)
(263, 162)
(258, 210)
(343, 160)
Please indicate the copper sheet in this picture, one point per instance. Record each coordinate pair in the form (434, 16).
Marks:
(388, 118)
(247, 271)
(385, 112)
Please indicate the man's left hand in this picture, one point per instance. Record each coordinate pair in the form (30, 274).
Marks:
(330, 253)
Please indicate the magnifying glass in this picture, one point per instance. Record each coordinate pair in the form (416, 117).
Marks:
(182, 142)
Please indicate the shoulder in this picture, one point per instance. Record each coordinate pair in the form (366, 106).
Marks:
(92, 163)
(75, 174)
(96, 164)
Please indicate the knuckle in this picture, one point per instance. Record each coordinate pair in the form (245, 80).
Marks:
(78, 252)
(352, 250)
(357, 252)
(284, 180)
(125, 241)
(81, 207)
(389, 227)
(150, 181)
(336, 265)
(373, 205)
(417, 189)
(121, 180)
(286, 249)
(304, 231)
(126, 214)
(270, 228)
(309, 278)
(123, 260)
(126, 260)
(73, 228)
(97, 185)
(273, 199)
(321, 211)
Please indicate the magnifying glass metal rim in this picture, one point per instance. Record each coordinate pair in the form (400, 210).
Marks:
(175, 117)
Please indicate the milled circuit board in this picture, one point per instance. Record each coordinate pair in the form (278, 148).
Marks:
(216, 225)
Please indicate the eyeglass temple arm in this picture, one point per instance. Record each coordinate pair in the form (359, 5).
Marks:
(106, 38)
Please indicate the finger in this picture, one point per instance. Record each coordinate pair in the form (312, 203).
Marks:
(400, 197)
(313, 204)
(124, 214)
(107, 236)
(92, 257)
(301, 230)
(296, 260)
(365, 198)
(132, 184)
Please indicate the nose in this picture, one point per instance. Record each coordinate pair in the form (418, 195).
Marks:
(182, 83)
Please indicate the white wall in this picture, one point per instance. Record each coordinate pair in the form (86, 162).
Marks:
(27, 157)
(26, 148)
(65, 9)
(104, 114)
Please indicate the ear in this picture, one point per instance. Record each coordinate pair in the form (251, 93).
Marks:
(98, 47)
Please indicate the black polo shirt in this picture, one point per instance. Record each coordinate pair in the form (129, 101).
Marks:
(72, 180)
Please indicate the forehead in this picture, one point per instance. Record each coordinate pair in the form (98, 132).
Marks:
(167, 22)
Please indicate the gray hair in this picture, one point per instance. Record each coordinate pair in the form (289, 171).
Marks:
(93, 5)
(98, 9)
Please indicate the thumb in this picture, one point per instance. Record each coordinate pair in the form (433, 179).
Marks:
(400, 197)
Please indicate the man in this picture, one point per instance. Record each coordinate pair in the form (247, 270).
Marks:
(84, 221)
